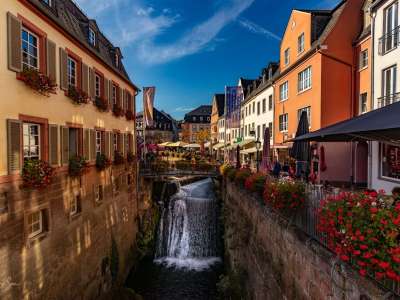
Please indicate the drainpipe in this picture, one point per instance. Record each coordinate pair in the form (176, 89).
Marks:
(352, 92)
(372, 102)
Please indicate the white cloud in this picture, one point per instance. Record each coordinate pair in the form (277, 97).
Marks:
(145, 11)
(257, 29)
(197, 39)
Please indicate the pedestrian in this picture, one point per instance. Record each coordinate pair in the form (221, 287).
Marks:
(277, 169)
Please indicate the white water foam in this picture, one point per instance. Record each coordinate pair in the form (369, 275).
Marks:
(190, 264)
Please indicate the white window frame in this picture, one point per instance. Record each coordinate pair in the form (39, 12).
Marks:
(306, 109)
(284, 91)
(28, 53)
(29, 138)
(286, 55)
(304, 80)
(264, 105)
(387, 29)
(99, 139)
(284, 122)
(115, 142)
(114, 94)
(97, 80)
(364, 59)
(92, 37)
(361, 104)
(300, 43)
(31, 223)
(72, 71)
(393, 78)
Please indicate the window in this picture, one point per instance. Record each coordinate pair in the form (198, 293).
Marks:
(258, 108)
(48, 2)
(97, 85)
(270, 102)
(74, 142)
(284, 91)
(246, 111)
(264, 105)
(254, 107)
(390, 23)
(364, 59)
(30, 50)
(194, 119)
(283, 123)
(114, 94)
(31, 141)
(304, 80)
(287, 56)
(389, 76)
(308, 111)
(390, 161)
(300, 43)
(363, 103)
(258, 131)
(270, 129)
(71, 71)
(201, 119)
(92, 37)
(115, 141)
(263, 130)
(245, 130)
(75, 203)
(35, 223)
(99, 142)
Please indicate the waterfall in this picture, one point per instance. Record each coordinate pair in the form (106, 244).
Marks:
(188, 230)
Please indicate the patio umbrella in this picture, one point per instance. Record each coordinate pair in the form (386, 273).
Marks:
(265, 162)
(238, 157)
(301, 149)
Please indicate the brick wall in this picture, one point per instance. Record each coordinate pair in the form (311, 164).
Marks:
(281, 262)
(79, 257)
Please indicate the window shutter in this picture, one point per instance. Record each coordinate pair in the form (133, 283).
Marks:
(107, 144)
(110, 85)
(63, 70)
(106, 93)
(122, 135)
(85, 78)
(86, 137)
(14, 27)
(92, 144)
(51, 60)
(119, 97)
(14, 146)
(112, 145)
(53, 144)
(64, 145)
(91, 83)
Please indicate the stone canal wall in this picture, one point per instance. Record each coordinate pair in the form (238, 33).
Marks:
(78, 256)
(280, 262)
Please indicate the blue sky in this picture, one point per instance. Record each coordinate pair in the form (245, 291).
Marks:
(191, 49)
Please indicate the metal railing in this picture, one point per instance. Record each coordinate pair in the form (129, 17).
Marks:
(389, 41)
(388, 99)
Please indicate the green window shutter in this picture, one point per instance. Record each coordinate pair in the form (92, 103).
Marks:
(86, 138)
(14, 29)
(14, 146)
(64, 145)
(53, 145)
(51, 60)
(63, 70)
(92, 145)
(85, 78)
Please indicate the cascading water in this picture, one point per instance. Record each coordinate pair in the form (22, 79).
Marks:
(188, 232)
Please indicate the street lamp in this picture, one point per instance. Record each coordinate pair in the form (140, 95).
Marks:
(258, 146)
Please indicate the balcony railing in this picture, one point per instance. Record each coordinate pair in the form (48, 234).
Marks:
(389, 41)
(388, 99)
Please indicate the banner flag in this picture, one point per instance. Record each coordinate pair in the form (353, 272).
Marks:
(234, 97)
(148, 104)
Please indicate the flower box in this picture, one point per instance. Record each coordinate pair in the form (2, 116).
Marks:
(77, 95)
(129, 115)
(117, 111)
(101, 104)
(37, 81)
(118, 158)
(102, 162)
(36, 174)
(77, 166)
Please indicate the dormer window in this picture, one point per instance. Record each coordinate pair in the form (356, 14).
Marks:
(47, 2)
(117, 60)
(92, 37)
(269, 73)
(287, 56)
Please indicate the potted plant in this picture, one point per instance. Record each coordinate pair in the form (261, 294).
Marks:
(129, 115)
(102, 162)
(77, 95)
(101, 104)
(117, 110)
(37, 81)
(36, 173)
(77, 166)
(118, 158)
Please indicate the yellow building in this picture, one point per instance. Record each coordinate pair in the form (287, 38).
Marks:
(90, 114)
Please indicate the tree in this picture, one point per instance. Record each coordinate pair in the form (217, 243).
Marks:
(202, 137)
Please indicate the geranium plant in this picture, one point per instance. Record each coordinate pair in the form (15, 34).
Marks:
(101, 104)
(130, 157)
(102, 162)
(117, 110)
(36, 173)
(77, 95)
(241, 176)
(363, 229)
(118, 158)
(286, 196)
(38, 81)
(256, 182)
(77, 166)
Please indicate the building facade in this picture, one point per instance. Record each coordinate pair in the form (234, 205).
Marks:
(316, 76)
(163, 130)
(66, 95)
(195, 121)
(217, 111)
(385, 158)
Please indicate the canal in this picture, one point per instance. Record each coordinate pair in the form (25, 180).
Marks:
(187, 260)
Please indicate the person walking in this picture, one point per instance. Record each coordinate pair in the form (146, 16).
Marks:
(277, 169)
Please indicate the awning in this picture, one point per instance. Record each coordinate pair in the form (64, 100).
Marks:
(249, 151)
(192, 146)
(245, 143)
(378, 125)
(218, 146)
(177, 144)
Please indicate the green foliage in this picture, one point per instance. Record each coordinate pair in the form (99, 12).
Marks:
(36, 173)
(38, 81)
(77, 166)
(118, 158)
(241, 176)
(145, 239)
(102, 162)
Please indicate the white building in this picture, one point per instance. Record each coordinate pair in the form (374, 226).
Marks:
(257, 113)
(385, 159)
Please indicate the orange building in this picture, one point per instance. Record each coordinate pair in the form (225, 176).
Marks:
(317, 76)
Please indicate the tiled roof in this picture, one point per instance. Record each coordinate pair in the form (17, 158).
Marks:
(203, 110)
(220, 100)
(67, 15)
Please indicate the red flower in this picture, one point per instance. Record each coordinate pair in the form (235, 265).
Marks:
(384, 265)
(363, 247)
(373, 210)
(363, 272)
(344, 257)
